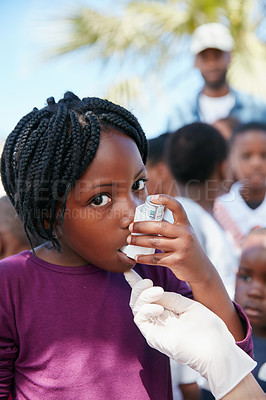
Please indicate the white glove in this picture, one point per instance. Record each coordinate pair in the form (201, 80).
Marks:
(189, 333)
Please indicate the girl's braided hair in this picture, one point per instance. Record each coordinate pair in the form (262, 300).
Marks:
(50, 149)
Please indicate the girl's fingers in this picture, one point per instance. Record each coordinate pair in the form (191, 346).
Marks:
(179, 214)
(162, 228)
(154, 259)
(155, 242)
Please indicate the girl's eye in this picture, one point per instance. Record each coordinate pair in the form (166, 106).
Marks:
(244, 277)
(245, 156)
(140, 184)
(100, 200)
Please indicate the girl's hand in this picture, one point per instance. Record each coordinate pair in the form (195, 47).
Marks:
(181, 250)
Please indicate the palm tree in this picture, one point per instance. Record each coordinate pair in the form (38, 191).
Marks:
(151, 38)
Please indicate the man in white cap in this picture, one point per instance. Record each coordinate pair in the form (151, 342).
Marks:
(211, 44)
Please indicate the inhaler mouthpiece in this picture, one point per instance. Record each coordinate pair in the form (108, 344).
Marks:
(145, 212)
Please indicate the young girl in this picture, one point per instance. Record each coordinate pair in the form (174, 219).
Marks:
(251, 295)
(244, 207)
(75, 173)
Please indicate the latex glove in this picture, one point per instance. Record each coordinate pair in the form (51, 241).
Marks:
(189, 333)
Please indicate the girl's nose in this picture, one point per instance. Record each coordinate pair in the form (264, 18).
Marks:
(256, 289)
(257, 162)
(128, 212)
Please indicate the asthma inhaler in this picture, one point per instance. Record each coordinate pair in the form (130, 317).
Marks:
(145, 212)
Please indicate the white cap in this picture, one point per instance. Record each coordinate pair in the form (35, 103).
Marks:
(211, 36)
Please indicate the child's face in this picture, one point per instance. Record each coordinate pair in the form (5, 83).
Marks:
(251, 282)
(155, 178)
(101, 206)
(248, 158)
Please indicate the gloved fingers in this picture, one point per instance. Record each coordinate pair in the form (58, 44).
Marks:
(132, 277)
(175, 302)
(138, 290)
(138, 285)
(147, 311)
(148, 296)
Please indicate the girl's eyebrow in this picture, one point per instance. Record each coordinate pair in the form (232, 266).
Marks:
(102, 185)
(244, 269)
(112, 183)
(142, 169)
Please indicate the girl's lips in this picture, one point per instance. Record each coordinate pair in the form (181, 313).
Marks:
(253, 312)
(257, 177)
(125, 259)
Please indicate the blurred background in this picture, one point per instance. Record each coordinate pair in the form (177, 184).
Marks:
(132, 52)
(135, 53)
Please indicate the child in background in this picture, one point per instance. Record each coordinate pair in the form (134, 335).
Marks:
(244, 207)
(251, 295)
(160, 178)
(12, 236)
(226, 126)
(75, 173)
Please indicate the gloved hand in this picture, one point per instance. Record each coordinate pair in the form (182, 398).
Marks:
(189, 333)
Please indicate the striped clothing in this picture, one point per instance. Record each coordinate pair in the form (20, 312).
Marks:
(236, 217)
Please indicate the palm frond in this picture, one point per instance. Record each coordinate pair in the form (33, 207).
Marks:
(148, 35)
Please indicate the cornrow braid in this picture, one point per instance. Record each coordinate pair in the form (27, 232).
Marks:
(110, 113)
(49, 150)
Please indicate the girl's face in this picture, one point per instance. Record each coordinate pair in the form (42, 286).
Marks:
(101, 206)
(248, 158)
(251, 282)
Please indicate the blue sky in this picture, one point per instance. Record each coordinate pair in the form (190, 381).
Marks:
(28, 78)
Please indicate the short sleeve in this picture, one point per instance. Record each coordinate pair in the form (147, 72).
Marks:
(246, 344)
(8, 338)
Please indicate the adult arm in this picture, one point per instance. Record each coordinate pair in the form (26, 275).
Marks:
(248, 388)
(190, 334)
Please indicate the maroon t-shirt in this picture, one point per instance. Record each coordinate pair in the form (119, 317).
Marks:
(68, 333)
